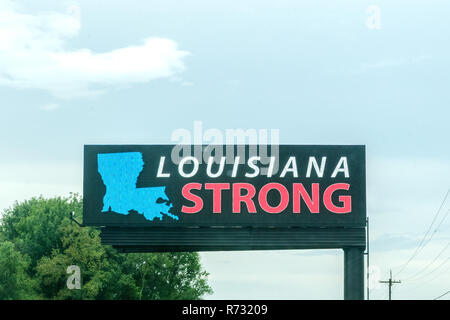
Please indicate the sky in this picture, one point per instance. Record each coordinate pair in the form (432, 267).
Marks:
(321, 72)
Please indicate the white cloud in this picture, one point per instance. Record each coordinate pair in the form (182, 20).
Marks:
(403, 194)
(50, 107)
(33, 54)
(20, 181)
(289, 274)
(391, 63)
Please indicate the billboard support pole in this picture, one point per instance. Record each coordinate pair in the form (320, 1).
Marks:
(367, 253)
(354, 273)
(73, 219)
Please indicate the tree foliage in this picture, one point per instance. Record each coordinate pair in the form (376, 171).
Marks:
(38, 242)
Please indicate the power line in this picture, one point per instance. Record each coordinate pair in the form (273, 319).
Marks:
(437, 228)
(429, 264)
(432, 279)
(421, 244)
(434, 270)
(446, 271)
(442, 295)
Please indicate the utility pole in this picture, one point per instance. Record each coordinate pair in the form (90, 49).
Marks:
(390, 282)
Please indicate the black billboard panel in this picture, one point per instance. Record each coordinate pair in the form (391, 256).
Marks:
(214, 186)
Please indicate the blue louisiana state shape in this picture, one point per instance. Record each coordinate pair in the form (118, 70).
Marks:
(119, 172)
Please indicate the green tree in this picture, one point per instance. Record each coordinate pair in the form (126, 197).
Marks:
(14, 281)
(39, 242)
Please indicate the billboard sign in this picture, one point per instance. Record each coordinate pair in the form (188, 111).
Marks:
(231, 185)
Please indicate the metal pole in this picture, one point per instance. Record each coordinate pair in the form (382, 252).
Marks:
(390, 282)
(368, 261)
(354, 273)
(390, 289)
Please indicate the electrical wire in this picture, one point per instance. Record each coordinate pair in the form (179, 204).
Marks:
(432, 279)
(434, 270)
(442, 295)
(422, 243)
(429, 264)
